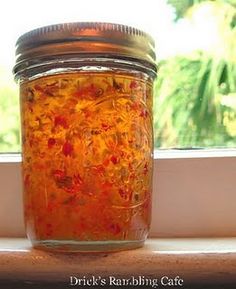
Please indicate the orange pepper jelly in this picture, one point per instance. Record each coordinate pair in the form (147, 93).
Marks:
(87, 159)
(87, 138)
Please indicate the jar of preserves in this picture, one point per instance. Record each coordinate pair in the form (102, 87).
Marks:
(87, 140)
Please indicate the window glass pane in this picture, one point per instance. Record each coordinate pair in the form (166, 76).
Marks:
(196, 90)
(9, 112)
(195, 94)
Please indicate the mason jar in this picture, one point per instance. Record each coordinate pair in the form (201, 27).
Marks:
(87, 138)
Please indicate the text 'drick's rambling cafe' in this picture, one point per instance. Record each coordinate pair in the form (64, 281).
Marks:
(139, 281)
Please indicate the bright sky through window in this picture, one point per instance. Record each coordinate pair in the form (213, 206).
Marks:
(153, 16)
(18, 17)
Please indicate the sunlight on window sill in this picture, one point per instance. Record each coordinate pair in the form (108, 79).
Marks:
(214, 259)
(193, 153)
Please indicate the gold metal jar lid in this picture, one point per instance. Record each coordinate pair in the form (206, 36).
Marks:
(84, 38)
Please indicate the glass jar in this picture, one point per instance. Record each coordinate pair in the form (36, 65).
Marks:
(87, 140)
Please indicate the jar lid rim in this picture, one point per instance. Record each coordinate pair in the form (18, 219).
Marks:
(86, 37)
(46, 32)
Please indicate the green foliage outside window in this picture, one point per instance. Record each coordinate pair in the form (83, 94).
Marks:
(9, 114)
(195, 95)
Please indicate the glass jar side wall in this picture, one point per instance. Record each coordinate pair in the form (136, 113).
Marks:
(87, 159)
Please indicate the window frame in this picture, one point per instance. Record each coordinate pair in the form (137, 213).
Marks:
(193, 194)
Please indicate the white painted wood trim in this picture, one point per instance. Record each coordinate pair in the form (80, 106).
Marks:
(194, 194)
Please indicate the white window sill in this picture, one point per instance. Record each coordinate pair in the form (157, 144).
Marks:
(198, 261)
(158, 154)
(193, 194)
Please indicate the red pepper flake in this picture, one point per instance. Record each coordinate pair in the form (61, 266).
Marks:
(38, 88)
(135, 106)
(114, 159)
(30, 108)
(144, 113)
(40, 166)
(69, 188)
(99, 169)
(27, 180)
(105, 126)
(79, 93)
(107, 185)
(87, 113)
(31, 142)
(50, 207)
(130, 166)
(58, 174)
(147, 203)
(78, 179)
(115, 228)
(60, 121)
(67, 149)
(133, 84)
(48, 229)
(145, 170)
(51, 142)
(106, 162)
(111, 145)
(125, 193)
(122, 193)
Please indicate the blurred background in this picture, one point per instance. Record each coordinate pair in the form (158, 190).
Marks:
(195, 92)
